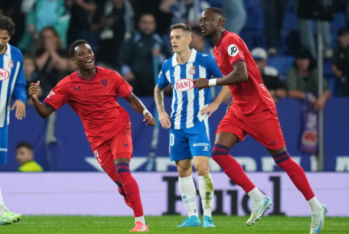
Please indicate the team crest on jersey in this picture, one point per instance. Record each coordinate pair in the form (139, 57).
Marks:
(192, 70)
(4, 74)
(10, 64)
(233, 50)
(50, 94)
(184, 85)
(105, 82)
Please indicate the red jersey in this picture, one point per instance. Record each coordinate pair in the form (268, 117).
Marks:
(251, 96)
(95, 101)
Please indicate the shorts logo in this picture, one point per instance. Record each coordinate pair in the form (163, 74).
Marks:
(192, 70)
(4, 74)
(184, 85)
(205, 145)
(272, 143)
(206, 148)
(233, 50)
(125, 145)
(97, 156)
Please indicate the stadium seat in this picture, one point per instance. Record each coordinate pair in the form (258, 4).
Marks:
(282, 64)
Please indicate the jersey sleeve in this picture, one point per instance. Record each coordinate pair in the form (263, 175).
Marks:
(123, 89)
(234, 48)
(162, 81)
(19, 89)
(212, 67)
(58, 95)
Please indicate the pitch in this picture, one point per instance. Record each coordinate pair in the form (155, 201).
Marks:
(167, 224)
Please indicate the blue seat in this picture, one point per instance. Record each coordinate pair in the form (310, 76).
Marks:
(338, 22)
(281, 63)
(290, 21)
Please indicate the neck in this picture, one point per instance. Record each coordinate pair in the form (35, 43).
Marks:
(183, 57)
(217, 37)
(87, 74)
(3, 50)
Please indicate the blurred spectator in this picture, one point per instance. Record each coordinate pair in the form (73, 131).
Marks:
(25, 158)
(235, 14)
(81, 13)
(114, 21)
(274, 18)
(185, 11)
(302, 79)
(307, 36)
(42, 14)
(199, 43)
(269, 74)
(53, 62)
(138, 54)
(32, 76)
(340, 61)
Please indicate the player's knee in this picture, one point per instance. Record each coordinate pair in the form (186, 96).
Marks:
(202, 168)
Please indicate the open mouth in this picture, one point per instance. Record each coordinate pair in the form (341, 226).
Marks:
(175, 47)
(89, 61)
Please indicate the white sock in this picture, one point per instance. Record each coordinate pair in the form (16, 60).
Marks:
(206, 194)
(188, 192)
(2, 205)
(315, 205)
(256, 195)
(140, 218)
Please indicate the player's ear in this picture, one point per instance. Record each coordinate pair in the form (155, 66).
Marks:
(73, 60)
(189, 39)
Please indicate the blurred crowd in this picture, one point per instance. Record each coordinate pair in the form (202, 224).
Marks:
(131, 37)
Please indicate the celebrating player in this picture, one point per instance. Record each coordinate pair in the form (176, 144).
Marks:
(253, 112)
(189, 130)
(12, 81)
(92, 92)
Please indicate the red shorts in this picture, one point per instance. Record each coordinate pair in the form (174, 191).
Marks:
(264, 127)
(120, 146)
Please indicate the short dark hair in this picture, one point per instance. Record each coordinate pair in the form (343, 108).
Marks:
(217, 11)
(75, 44)
(342, 32)
(184, 27)
(197, 30)
(7, 24)
(24, 144)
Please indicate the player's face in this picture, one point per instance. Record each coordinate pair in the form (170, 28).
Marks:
(180, 40)
(84, 57)
(208, 23)
(4, 39)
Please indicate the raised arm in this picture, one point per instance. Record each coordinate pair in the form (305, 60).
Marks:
(43, 110)
(138, 106)
(164, 119)
(239, 75)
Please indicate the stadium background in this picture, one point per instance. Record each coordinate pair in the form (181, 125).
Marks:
(71, 154)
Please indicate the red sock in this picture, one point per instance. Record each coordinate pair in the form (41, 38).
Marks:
(296, 173)
(231, 167)
(130, 187)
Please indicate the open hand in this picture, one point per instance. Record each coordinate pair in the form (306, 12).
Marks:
(165, 120)
(20, 109)
(209, 109)
(201, 83)
(148, 117)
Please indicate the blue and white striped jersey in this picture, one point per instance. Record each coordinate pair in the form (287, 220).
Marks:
(12, 81)
(187, 101)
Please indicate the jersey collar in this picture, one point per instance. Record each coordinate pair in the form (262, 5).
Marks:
(78, 74)
(8, 50)
(190, 60)
(225, 32)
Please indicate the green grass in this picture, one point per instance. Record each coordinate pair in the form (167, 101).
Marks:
(167, 225)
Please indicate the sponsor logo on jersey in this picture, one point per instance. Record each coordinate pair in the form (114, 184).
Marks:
(192, 70)
(184, 85)
(233, 50)
(77, 89)
(10, 64)
(4, 74)
(50, 94)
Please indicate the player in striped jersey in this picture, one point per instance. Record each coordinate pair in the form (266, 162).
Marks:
(12, 82)
(189, 130)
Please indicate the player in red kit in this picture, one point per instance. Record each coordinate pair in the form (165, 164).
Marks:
(92, 93)
(253, 112)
